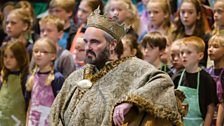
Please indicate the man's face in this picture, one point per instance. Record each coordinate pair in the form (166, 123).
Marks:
(96, 47)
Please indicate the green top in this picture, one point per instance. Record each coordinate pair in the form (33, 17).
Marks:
(12, 103)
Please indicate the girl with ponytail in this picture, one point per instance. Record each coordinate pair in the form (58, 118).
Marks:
(44, 83)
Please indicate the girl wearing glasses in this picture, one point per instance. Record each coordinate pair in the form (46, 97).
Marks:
(44, 83)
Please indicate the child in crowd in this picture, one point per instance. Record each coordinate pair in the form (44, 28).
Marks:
(189, 22)
(64, 10)
(219, 17)
(175, 60)
(153, 46)
(5, 9)
(197, 85)
(18, 25)
(13, 103)
(28, 7)
(216, 54)
(125, 11)
(52, 27)
(131, 47)
(86, 7)
(159, 16)
(79, 53)
(44, 83)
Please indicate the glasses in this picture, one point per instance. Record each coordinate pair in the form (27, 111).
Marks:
(40, 52)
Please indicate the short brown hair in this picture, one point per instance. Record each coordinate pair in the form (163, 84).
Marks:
(67, 5)
(154, 39)
(54, 20)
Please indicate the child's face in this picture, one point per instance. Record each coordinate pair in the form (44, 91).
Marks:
(188, 14)
(151, 54)
(215, 51)
(128, 51)
(118, 9)
(156, 14)
(83, 12)
(42, 54)
(79, 51)
(219, 13)
(10, 61)
(15, 26)
(175, 57)
(189, 55)
(50, 31)
(61, 13)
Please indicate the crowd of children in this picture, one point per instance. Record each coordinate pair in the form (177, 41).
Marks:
(38, 54)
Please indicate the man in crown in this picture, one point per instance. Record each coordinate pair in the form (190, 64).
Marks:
(112, 91)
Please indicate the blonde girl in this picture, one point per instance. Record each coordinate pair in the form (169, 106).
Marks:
(44, 83)
(216, 54)
(28, 7)
(125, 11)
(159, 15)
(13, 78)
(18, 25)
(219, 17)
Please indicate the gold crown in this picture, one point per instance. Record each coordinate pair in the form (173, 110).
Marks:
(107, 24)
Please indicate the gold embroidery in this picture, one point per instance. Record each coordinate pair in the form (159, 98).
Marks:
(88, 72)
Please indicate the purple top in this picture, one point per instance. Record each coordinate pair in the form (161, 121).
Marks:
(42, 97)
(144, 20)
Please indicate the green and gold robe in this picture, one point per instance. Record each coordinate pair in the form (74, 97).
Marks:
(131, 80)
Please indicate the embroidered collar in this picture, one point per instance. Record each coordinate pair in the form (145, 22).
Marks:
(89, 70)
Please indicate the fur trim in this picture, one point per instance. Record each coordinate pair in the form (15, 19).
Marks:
(150, 107)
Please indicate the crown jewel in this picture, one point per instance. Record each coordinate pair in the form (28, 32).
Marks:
(110, 25)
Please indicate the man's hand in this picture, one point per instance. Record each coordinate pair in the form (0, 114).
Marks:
(119, 112)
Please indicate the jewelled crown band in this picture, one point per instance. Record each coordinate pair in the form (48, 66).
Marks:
(107, 24)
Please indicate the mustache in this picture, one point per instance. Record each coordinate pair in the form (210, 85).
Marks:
(90, 52)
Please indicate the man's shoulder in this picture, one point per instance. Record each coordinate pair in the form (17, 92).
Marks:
(75, 73)
(138, 62)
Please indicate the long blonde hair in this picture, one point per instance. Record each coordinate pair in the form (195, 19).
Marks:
(216, 30)
(25, 17)
(133, 20)
(51, 77)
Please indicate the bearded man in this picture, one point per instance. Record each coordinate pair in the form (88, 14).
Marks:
(106, 92)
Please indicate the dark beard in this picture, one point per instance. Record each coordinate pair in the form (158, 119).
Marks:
(100, 61)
